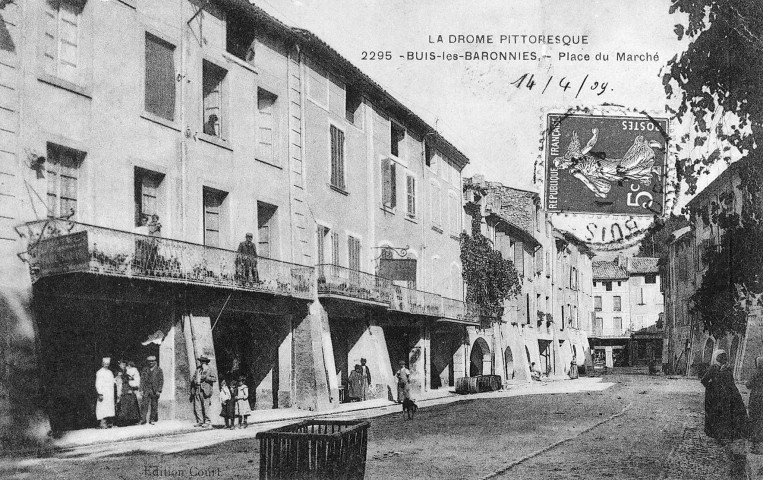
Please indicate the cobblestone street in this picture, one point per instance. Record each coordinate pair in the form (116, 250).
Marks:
(639, 427)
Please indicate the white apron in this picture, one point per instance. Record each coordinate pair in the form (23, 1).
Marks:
(104, 385)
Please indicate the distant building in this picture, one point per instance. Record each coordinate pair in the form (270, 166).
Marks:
(628, 305)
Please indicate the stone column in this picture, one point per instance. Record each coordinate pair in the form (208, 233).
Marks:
(203, 344)
(311, 376)
(418, 362)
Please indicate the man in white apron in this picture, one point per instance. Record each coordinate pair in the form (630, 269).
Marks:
(104, 385)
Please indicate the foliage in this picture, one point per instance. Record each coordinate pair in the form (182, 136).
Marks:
(657, 238)
(733, 278)
(490, 279)
(718, 73)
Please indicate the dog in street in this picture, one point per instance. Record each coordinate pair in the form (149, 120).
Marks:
(409, 408)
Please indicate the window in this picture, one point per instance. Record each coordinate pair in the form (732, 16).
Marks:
(519, 258)
(147, 194)
(160, 78)
(454, 212)
(62, 40)
(240, 32)
(353, 253)
(337, 158)
(597, 303)
(410, 182)
(213, 83)
(352, 102)
(62, 169)
(322, 234)
(598, 326)
(334, 248)
(650, 278)
(617, 304)
(595, 283)
(435, 204)
(266, 229)
(428, 154)
(608, 286)
(617, 324)
(213, 202)
(266, 126)
(397, 134)
(389, 183)
(619, 284)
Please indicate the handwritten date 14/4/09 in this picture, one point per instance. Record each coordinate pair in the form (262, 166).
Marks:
(529, 82)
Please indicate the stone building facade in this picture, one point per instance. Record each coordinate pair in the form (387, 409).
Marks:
(546, 321)
(143, 141)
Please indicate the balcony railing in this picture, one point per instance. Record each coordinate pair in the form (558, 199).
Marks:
(338, 281)
(61, 246)
(416, 302)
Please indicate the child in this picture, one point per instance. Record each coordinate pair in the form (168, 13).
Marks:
(228, 405)
(242, 403)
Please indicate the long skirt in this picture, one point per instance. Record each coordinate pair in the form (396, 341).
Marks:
(228, 409)
(128, 411)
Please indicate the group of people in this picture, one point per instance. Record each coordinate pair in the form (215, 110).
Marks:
(359, 382)
(129, 396)
(726, 417)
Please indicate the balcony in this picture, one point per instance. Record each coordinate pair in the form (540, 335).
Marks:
(339, 282)
(59, 247)
(417, 302)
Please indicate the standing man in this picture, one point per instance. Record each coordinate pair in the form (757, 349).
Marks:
(367, 375)
(151, 384)
(246, 261)
(201, 392)
(104, 386)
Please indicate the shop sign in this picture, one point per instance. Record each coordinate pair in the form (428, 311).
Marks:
(61, 254)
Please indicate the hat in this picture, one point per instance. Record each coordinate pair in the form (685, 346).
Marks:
(106, 359)
(363, 360)
(249, 234)
(151, 358)
(401, 362)
(204, 359)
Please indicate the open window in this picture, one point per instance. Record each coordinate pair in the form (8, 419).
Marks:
(213, 85)
(214, 233)
(148, 196)
(353, 101)
(62, 171)
(266, 229)
(397, 134)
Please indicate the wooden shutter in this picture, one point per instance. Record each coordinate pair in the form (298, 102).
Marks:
(386, 184)
(321, 235)
(160, 78)
(519, 258)
(411, 190)
(212, 204)
(265, 125)
(393, 184)
(334, 248)
(337, 157)
(353, 248)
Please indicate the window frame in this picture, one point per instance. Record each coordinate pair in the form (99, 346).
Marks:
(223, 138)
(77, 158)
(342, 188)
(275, 119)
(410, 195)
(168, 42)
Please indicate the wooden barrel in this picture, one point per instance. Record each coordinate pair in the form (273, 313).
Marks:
(466, 385)
(489, 383)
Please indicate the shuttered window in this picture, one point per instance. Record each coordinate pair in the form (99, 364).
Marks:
(617, 324)
(337, 158)
(266, 125)
(334, 248)
(147, 194)
(160, 78)
(389, 183)
(519, 258)
(597, 303)
(213, 201)
(617, 303)
(266, 228)
(353, 250)
(321, 241)
(62, 40)
(411, 193)
(62, 172)
(435, 204)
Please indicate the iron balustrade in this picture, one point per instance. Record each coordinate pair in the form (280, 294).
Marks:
(417, 302)
(344, 282)
(59, 246)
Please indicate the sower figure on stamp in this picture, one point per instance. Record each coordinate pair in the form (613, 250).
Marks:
(152, 382)
(246, 261)
(201, 392)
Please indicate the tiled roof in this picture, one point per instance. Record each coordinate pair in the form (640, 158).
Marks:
(603, 270)
(643, 265)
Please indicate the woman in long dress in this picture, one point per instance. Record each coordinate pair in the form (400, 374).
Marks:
(128, 409)
(355, 384)
(725, 413)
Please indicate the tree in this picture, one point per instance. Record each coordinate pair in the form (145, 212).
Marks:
(657, 239)
(717, 74)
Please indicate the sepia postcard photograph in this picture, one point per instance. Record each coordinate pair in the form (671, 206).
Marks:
(381, 239)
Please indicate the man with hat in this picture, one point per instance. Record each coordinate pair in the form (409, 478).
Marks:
(246, 261)
(201, 392)
(151, 384)
(105, 409)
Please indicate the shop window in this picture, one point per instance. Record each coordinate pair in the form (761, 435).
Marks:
(337, 158)
(213, 216)
(213, 90)
(147, 196)
(62, 171)
(160, 78)
(266, 229)
(62, 47)
(266, 126)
